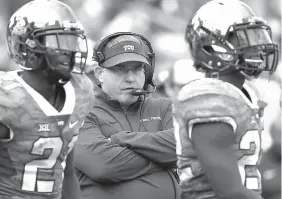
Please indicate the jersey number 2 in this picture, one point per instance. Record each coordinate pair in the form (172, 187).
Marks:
(30, 180)
(247, 164)
(31, 168)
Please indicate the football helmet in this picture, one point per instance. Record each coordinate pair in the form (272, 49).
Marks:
(46, 35)
(227, 36)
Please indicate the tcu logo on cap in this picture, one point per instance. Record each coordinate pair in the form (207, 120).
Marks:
(128, 47)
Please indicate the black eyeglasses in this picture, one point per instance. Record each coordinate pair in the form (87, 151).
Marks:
(121, 70)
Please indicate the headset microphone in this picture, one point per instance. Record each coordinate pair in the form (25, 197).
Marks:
(141, 91)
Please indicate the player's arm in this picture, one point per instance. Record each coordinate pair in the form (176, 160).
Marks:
(213, 142)
(102, 161)
(71, 187)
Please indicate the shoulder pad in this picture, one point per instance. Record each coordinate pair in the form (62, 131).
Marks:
(81, 81)
(207, 86)
(10, 95)
(211, 100)
(83, 86)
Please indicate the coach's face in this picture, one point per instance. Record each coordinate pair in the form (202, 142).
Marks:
(118, 81)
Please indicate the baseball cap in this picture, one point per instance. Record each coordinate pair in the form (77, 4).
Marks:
(125, 48)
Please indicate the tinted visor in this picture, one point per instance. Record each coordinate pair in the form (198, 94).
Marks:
(68, 42)
(253, 37)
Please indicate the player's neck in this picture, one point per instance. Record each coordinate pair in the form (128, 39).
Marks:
(38, 80)
(236, 80)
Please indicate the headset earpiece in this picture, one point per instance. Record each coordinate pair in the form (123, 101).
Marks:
(100, 56)
(97, 54)
(150, 73)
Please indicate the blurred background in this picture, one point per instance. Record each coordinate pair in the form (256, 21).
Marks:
(163, 22)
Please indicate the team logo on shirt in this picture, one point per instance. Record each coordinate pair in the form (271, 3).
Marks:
(150, 119)
(44, 127)
(72, 124)
(61, 123)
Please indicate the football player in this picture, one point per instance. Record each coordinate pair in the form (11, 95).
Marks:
(218, 119)
(43, 105)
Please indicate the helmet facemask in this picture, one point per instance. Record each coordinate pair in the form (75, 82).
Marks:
(257, 51)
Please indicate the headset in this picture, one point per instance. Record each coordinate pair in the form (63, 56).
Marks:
(99, 57)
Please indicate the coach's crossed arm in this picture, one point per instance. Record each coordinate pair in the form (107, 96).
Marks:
(105, 162)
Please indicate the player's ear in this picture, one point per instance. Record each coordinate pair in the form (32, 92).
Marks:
(98, 71)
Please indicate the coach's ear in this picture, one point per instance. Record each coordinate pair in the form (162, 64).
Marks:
(98, 71)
